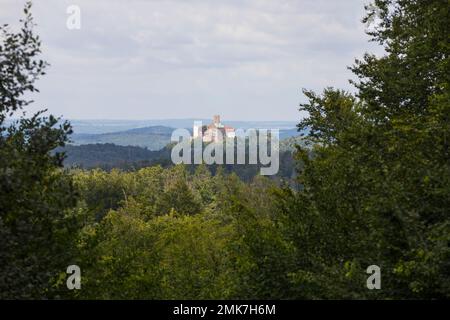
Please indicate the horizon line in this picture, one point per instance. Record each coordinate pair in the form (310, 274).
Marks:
(158, 119)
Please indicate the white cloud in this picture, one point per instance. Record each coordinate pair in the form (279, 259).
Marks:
(245, 59)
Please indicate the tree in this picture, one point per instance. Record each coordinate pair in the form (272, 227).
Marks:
(376, 184)
(177, 195)
(35, 230)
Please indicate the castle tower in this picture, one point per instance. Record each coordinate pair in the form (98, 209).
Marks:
(197, 130)
(216, 119)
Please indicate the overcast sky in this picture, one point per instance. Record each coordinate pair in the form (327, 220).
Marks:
(150, 59)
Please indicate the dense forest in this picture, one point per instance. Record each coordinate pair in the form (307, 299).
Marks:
(110, 156)
(372, 188)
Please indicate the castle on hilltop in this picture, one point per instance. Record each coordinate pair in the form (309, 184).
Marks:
(214, 132)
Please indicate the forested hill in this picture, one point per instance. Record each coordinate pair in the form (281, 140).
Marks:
(109, 156)
(153, 138)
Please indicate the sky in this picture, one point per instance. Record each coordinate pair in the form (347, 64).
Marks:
(155, 59)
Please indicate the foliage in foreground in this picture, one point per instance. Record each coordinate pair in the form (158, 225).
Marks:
(35, 230)
(166, 234)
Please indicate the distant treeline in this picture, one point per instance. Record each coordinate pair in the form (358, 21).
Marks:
(129, 158)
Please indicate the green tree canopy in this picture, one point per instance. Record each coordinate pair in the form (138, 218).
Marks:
(35, 231)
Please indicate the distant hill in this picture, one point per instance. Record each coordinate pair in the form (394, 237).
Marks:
(289, 144)
(109, 156)
(153, 138)
(108, 126)
(99, 126)
(288, 133)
